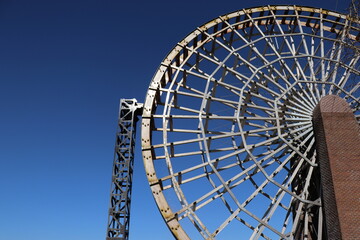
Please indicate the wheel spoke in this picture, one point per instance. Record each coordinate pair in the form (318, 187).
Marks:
(228, 140)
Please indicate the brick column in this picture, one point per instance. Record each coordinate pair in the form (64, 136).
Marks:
(337, 136)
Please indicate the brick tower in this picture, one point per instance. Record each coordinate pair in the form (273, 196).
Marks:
(337, 136)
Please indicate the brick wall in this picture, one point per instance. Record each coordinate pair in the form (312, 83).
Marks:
(337, 137)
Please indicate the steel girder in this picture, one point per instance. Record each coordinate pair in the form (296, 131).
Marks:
(121, 184)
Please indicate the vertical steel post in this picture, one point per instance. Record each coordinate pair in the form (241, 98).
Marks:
(120, 195)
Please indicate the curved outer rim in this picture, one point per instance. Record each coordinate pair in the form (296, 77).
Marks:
(149, 105)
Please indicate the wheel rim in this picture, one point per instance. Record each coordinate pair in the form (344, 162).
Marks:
(227, 136)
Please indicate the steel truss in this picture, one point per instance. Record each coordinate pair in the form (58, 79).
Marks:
(227, 134)
(121, 184)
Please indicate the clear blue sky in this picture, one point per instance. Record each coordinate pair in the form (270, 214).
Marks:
(64, 65)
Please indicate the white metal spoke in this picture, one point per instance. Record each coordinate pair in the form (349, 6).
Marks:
(228, 141)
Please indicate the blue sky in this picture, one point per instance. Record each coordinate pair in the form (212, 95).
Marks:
(64, 65)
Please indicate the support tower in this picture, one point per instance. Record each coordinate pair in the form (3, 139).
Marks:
(121, 183)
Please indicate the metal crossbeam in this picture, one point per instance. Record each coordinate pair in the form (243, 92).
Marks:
(227, 123)
(121, 183)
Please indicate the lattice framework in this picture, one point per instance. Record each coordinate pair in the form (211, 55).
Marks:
(227, 137)
(121, 184)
